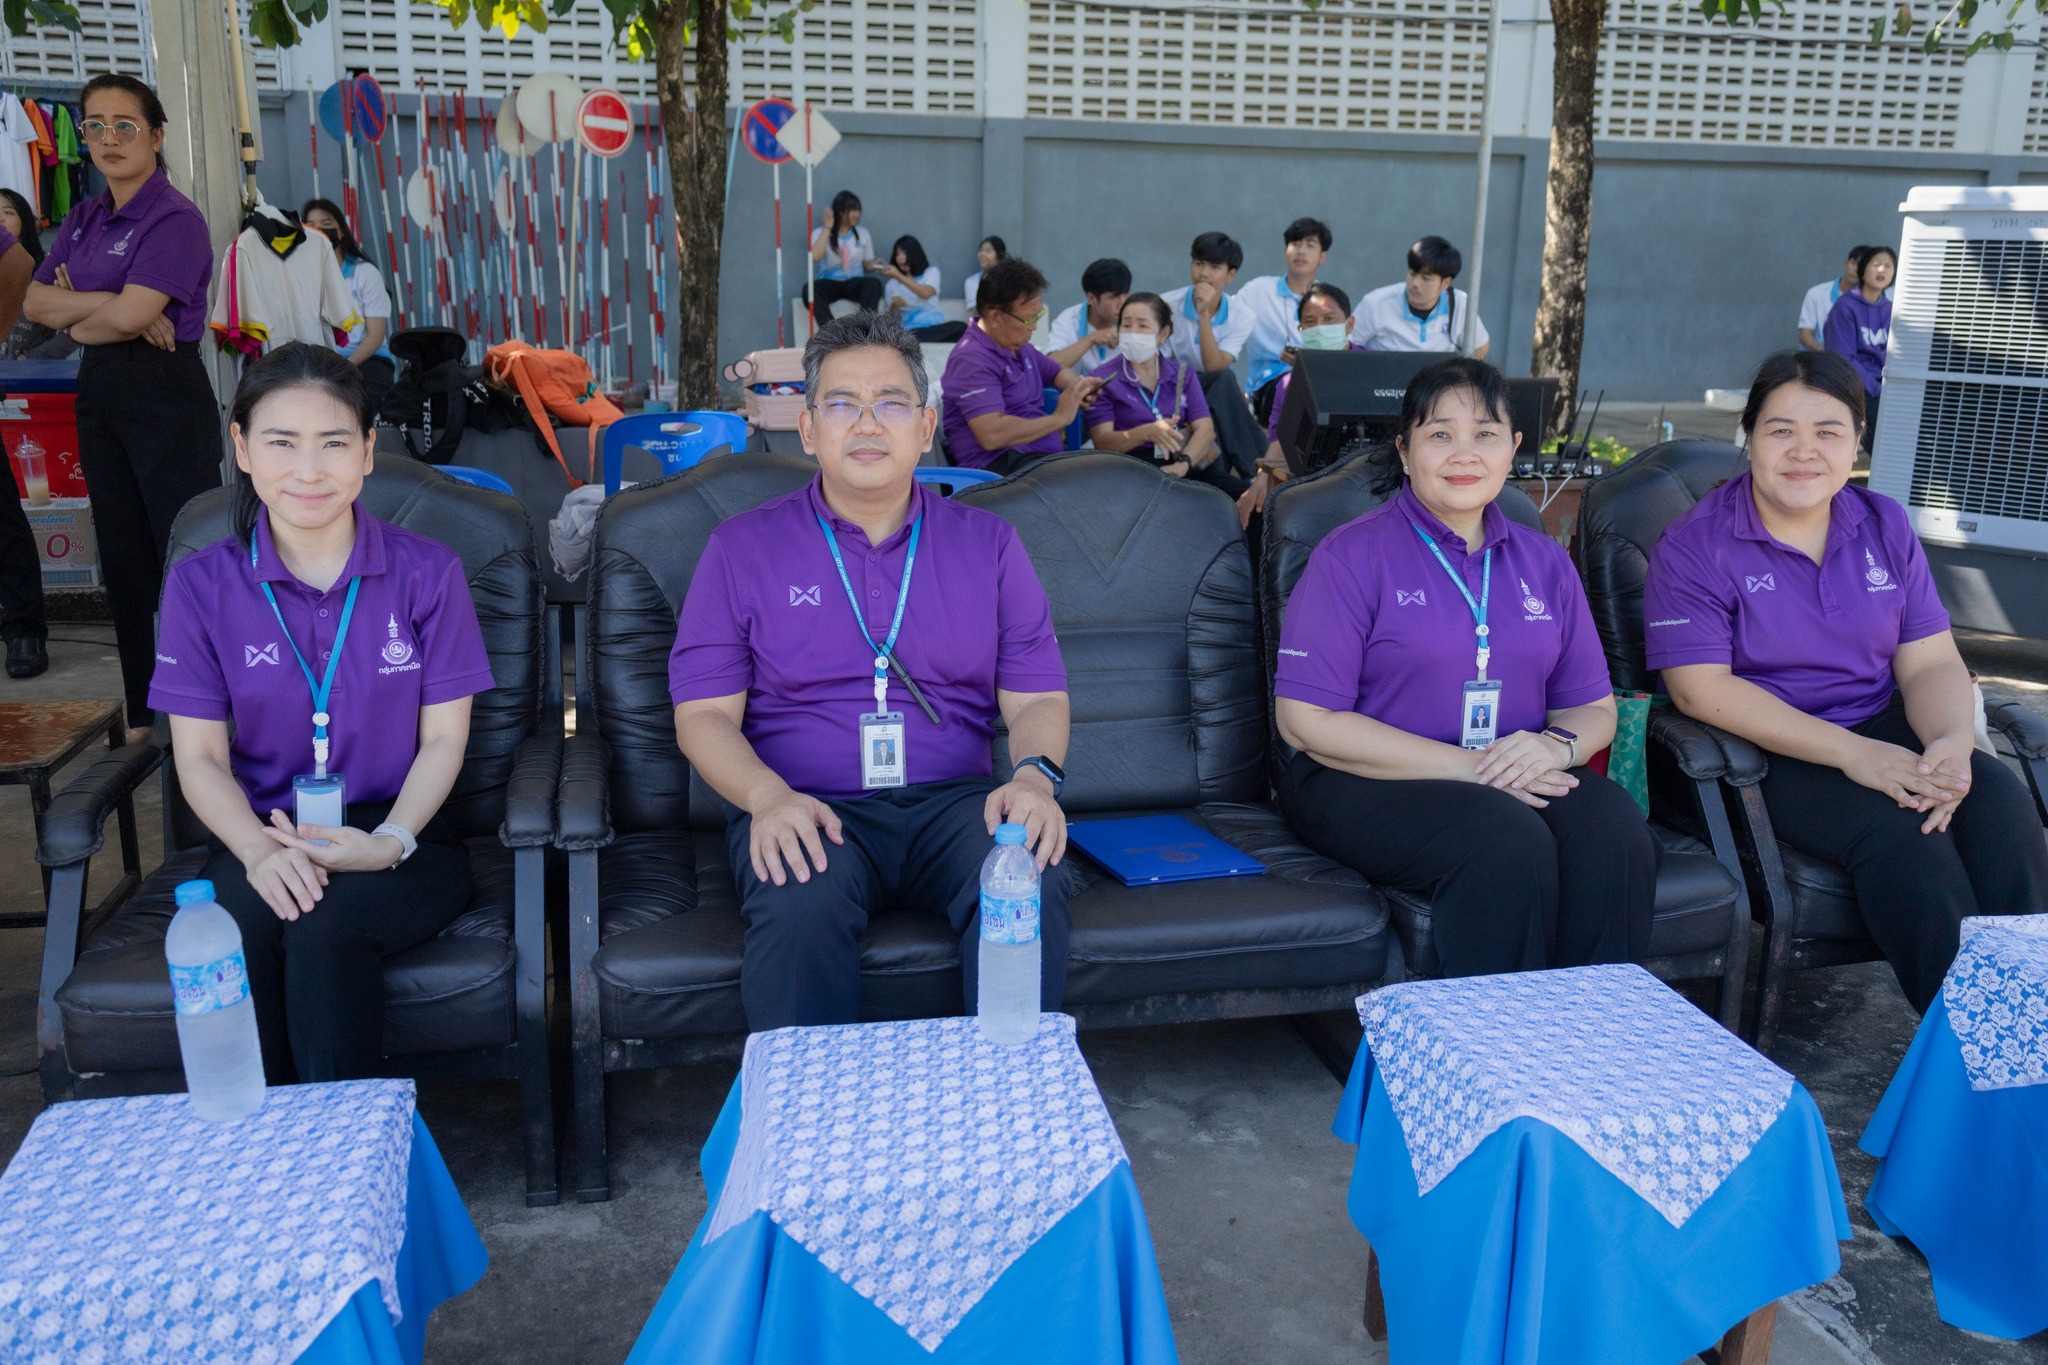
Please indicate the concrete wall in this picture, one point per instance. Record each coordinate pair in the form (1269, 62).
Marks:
(1700, 255)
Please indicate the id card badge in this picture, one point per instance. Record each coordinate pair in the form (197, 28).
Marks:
(881, 749)
(320, 801)
(1479, 718)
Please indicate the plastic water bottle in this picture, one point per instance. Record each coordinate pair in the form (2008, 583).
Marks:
(1008, 1004)
(216, 1017)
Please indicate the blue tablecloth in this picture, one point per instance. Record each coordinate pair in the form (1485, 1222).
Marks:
(1964, 1173)
(441, 1257)
(1529, 1250)
(1087, 1293)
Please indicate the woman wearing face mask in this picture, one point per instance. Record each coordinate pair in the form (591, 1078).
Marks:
(1326, 325)
(1150, 405)
(1859, 327)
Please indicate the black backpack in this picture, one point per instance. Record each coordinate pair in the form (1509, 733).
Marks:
(436, 397)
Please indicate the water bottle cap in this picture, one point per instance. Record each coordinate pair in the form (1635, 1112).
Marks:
(1010, 834)
(193, 893)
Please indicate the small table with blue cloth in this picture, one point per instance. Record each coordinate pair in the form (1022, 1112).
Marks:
(1579, 1166)
(321, 1229)
(1961, 1135)
(913, 1194)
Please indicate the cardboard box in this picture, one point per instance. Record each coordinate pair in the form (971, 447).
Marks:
(65, 541)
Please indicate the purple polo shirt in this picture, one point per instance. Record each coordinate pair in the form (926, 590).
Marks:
(1820, 637)
(1376, 626)
(981, 378)
(766, 615)
(8, 241)
(412, 642)
(1125, 403)
(158, 239)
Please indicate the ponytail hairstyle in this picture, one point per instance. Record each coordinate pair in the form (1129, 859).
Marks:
(1425, 390)
(345, 245)
(843, 203)
(296, 365)
(152, 107)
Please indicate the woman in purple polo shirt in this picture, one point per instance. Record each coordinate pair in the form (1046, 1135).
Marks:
(1859, 326)
(127, 279)
(1150, 405)
(334, 643)
(1796, 609)
(1443, 684)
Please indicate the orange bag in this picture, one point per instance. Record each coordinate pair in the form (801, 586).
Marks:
(556, 384)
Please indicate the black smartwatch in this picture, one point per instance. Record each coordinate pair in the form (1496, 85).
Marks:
(1052, 770)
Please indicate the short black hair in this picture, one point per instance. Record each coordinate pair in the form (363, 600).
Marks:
(1002, 252)
(1106, 276)
(1866, 254)
(345, 245)
(915, 262)
(1425, 391)
(1309, 227)
(294, 365)
(1822, 371)
(1008, 280)
(857, 330)
(1435, 256)
(1161, 314)
(1323, 289)
(1217, 248)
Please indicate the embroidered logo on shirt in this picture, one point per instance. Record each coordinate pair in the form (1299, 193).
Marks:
(1672, 621)
(396, 651)
(1761, 582)
(1531, 603)
(1295, 653)
(1875, 575)
(120, 248)
(804, 597)
(1410, 599)
(253, 655)
(166, 659)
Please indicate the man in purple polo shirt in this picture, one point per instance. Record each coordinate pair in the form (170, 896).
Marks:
(996, 379)
(21, 571)
(840, 662)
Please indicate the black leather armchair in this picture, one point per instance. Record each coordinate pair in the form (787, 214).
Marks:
(1700, 927)
(1151, 594)
(1808, 905)
(468, 1004)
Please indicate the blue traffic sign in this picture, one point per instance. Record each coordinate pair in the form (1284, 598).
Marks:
(761, 123)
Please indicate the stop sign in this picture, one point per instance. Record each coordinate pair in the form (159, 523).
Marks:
(604, 122)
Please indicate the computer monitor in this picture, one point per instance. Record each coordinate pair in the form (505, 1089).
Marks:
(1531, 402)
(1338, 400)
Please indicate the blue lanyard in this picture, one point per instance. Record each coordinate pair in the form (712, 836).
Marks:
(1478, 605)
(1152, 398)
(325, 686)
(887, 648)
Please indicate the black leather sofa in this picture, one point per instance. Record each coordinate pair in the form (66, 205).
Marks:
(468, 1004)
(1151, 592)
(1807, 905)
(1701, 922)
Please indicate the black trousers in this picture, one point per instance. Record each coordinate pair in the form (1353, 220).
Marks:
(21, 569)
(865, 291)
(940, 333)
(1240, 437)
(1511, 888)
(148, 442)
(1916, 889)
(920, 847)
(318, 980)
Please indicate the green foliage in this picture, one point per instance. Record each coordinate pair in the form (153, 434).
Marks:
(1603, 448)
(276, 23)
(1952, 19)
(19, 14)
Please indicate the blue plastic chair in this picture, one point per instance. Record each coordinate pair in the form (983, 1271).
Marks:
(482, 478)
(678, 439)
(951, 481)
(1076, 435)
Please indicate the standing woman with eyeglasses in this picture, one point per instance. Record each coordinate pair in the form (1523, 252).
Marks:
(127, 278)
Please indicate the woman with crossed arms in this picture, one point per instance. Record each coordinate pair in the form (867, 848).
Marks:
(1796, 610)
(1443, 684)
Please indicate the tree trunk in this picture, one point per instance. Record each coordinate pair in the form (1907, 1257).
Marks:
(1568, 200)
(696, 170)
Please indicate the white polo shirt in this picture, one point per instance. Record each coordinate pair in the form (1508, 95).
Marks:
(1232, 324)
(1385, 324)
(1066, 330)
(1276, 324)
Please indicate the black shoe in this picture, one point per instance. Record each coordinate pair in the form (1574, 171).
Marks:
(26, 657)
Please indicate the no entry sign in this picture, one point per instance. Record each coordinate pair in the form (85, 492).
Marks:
(760, 125)
(604, 123)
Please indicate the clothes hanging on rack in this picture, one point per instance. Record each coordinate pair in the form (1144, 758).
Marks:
(280, 283)
(67, 182)
(18, 164)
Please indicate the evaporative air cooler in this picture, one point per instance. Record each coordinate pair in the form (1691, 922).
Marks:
(1962, 434)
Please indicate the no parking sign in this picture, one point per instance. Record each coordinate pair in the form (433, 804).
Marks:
(604, 123)
(761, 124)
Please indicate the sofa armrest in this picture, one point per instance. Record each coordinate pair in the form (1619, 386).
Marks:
(1705, 753)
(74, 827)
(2025, 731)
(583, 807)
(530, 795)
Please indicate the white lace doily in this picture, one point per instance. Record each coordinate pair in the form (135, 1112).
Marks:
(1997, 998)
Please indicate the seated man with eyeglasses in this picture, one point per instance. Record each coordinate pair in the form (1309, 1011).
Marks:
(996, 379)
(841, 659)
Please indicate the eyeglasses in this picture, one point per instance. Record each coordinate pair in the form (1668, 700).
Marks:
(840, 413)
(124, 130)
(1031, 322)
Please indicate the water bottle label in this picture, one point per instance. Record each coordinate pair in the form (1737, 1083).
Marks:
(1009, 919)
(214, 986)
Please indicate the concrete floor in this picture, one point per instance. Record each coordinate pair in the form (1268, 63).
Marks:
(1227, 1126)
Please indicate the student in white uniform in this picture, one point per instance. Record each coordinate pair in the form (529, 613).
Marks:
(1274, 301)
(1820, 301)
(912, 293)
(990, 251)
(843, 251)
(1085, 335)
(364, 346)
(1422, 313)
(1209, 333)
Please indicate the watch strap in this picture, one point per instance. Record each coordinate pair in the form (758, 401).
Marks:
(1059, 784)
(407, 844)
(1570, 742)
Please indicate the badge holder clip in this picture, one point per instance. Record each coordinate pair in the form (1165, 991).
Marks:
(320, 797)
